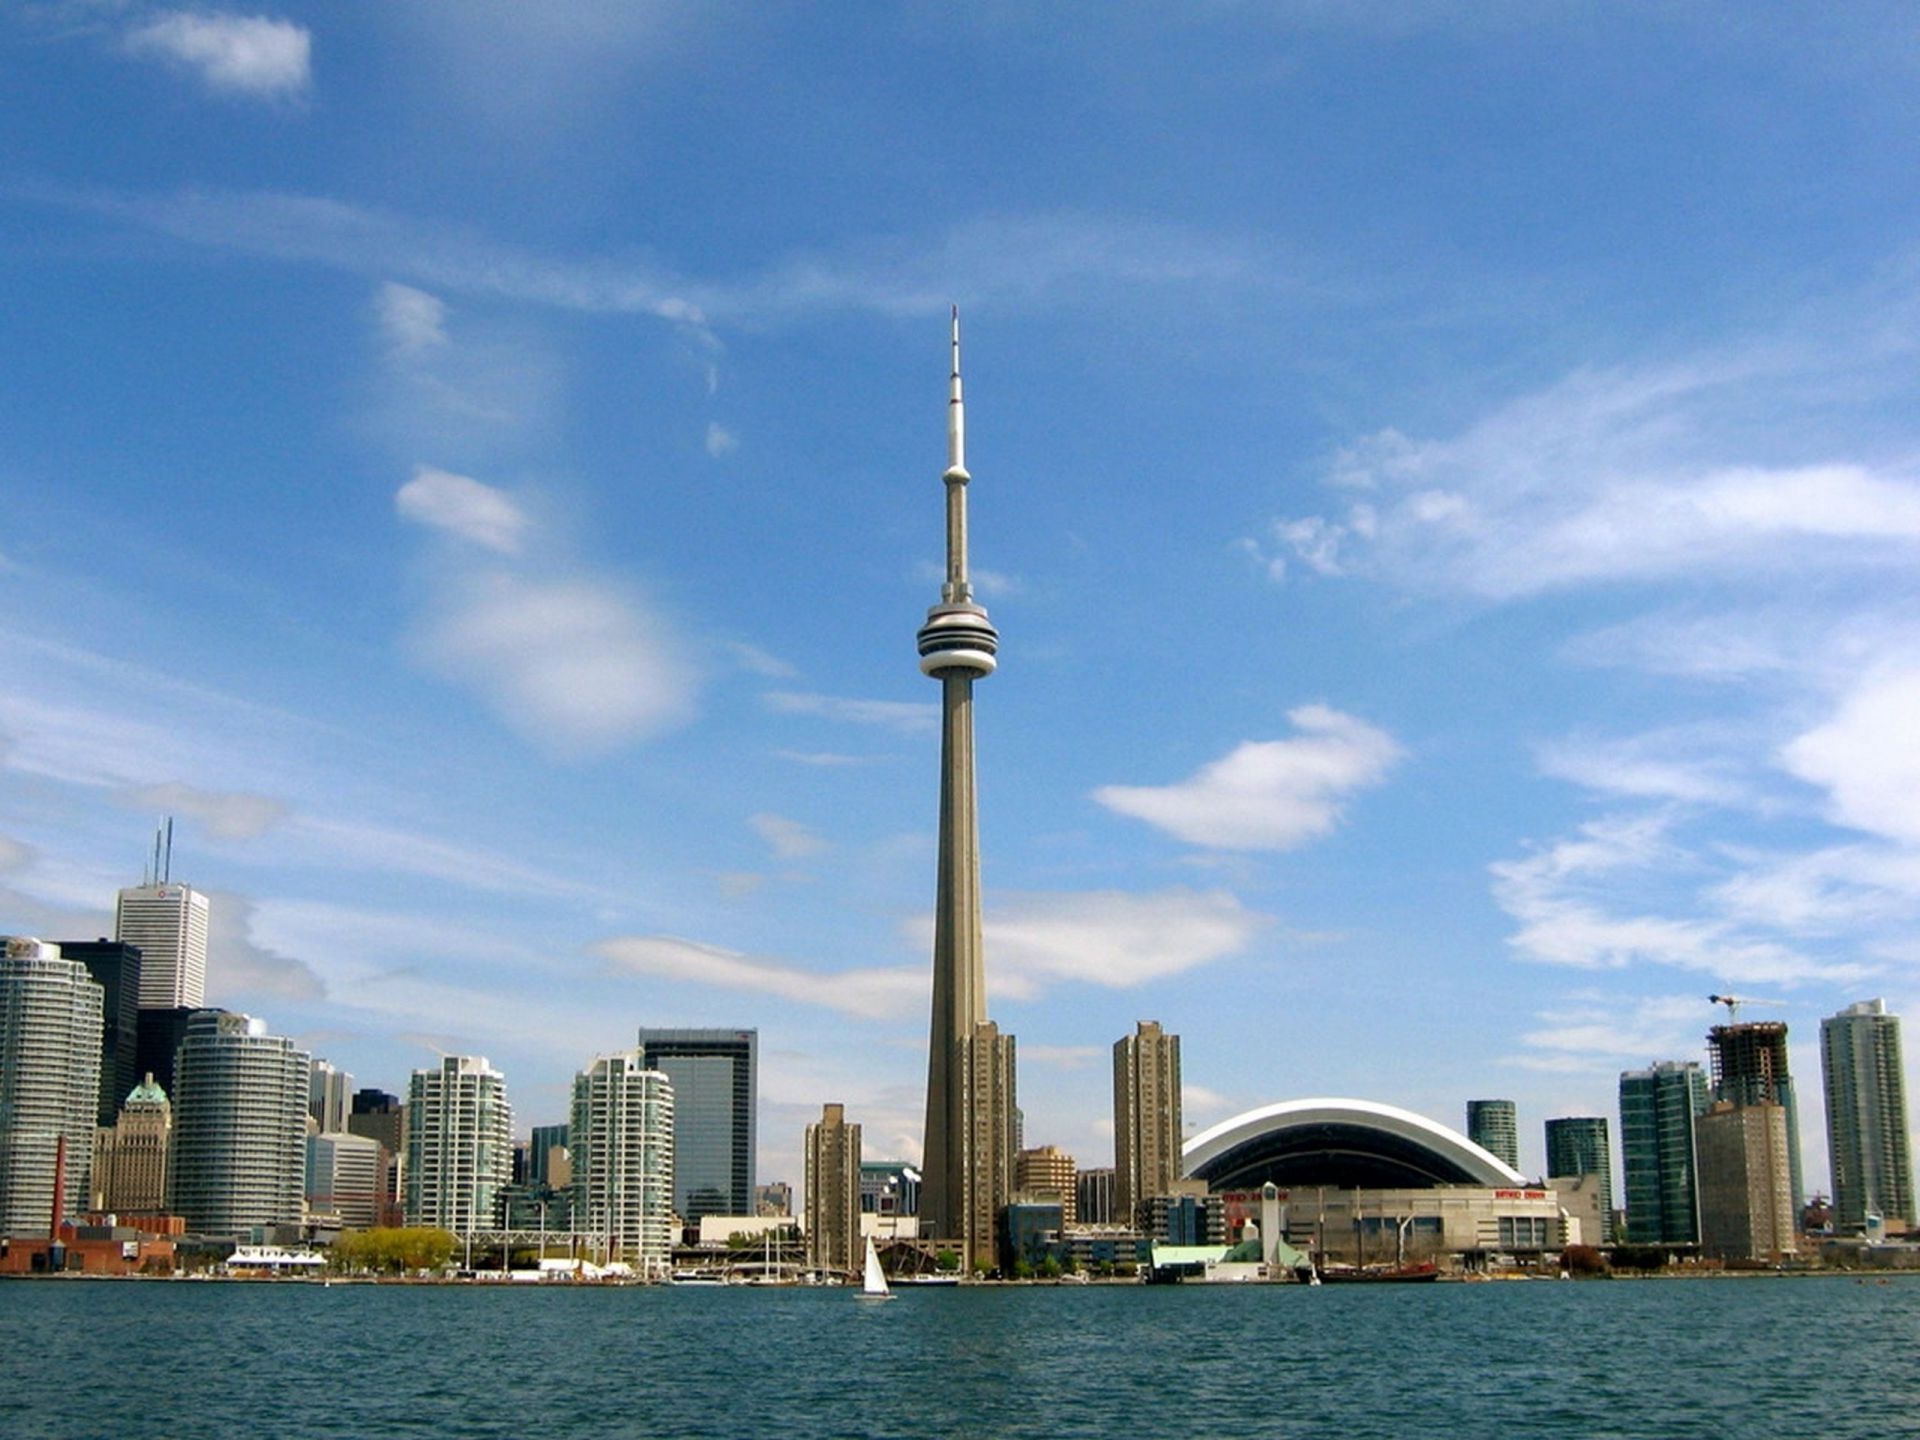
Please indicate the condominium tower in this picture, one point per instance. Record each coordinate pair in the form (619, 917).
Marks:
(1494, 1125)
(50, 1023)
(622, 1134)
(833, 1193)
(1867, 1115)
(1577, 1145)
(1146, 1118)
(238, 1154)
(957, 646)
(169, 923)
(1658, 1107)
(715, 1096)
(459, 1134)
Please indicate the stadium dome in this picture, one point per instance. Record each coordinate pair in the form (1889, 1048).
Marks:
(1342, 1144)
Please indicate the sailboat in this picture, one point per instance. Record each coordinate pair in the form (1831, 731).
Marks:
(874, 1285)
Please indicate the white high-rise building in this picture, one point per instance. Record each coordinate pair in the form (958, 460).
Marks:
(169, 924)
(329, 1097)
(50, 1027)
(622, 1153)
(238, 1160)
(459, 1145)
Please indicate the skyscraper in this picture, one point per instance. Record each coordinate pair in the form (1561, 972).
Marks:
(459, 1134)
(988, 1102)
(116, 966)
(1494, 1125)
(1867, 1115)
(1658, 1106)
(1749, 1067)
(546, 1139)
(715, 1097)
(50, 1027)
(169, 924)
(329, 1097)
(833, 1193)
(1578, 1145)
(622, 1146)
(238, 1156)
(957, 646)
(130, 1156)
(1146, 1118)
(1746, 1204)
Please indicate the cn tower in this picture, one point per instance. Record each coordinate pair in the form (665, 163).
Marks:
(957, 646)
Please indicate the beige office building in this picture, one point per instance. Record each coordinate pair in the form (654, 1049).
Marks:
(987, 1089)
(833, 1193)
(1048, 1173)
(130, 1156)
(1146, 1118)
(1746, 1182)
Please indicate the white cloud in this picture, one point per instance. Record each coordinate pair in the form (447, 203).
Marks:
(240, 967)
(239, 54)
(1602, 1034)
(1560, 898)
(788, 839)
(1867, 757)
(873, 994)
(411, 321)
(227, 814)
(576, 665)
(1106, 937)
(1267, 795)
(892, 714)
(1663, 765)
(463, 507)
(720, 440)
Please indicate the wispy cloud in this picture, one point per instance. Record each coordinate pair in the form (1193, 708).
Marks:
(908, 715)
(227, 814)
(411, 321)
(720, 440)
(1267, 795)
(788, 839)
(1110, 938)
(461, 506)
(1866, 757)
(874, 994)
(1674, 764)
(245, 55)
(1590, 1033)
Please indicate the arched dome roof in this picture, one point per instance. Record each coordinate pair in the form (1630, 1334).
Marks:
(1345, 1144)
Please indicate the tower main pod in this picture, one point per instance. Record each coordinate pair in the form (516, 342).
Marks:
(963, 1159)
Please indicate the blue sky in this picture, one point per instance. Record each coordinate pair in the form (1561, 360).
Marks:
(1446, 487)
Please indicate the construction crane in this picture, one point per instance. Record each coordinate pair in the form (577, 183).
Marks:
(1734, 1002)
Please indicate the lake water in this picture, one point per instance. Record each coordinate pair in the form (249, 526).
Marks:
(1820, 1357)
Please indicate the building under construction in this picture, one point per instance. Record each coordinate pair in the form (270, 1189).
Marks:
(1749, 1067)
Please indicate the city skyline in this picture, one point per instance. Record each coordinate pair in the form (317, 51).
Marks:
(1451, 496)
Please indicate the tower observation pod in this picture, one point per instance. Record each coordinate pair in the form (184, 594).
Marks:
(957, 639)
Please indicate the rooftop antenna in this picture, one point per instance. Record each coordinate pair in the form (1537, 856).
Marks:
(169, 853)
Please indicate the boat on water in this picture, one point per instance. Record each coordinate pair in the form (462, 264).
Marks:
(1379, 1274)
(873, 1284)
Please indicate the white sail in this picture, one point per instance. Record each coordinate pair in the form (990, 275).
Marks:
(875, 1283)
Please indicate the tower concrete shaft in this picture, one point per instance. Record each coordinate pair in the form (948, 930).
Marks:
(957, 646)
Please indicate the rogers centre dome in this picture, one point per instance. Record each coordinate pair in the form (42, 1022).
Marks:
(1341, 1144)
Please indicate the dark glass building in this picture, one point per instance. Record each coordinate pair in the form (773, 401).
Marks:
(115, 967)
(157, 1043)
(714, 1074)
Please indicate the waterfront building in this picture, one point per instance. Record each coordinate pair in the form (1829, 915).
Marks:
(169, 923)
(329, 1097)
(1494, 1125)
(1746, 1181)
(1146, 1118)
(1658, 1107)
(889, 1187)
(773, 1198)
(1048, 1173)
(962, 1147)
(237, 1161)
(50, 1026)
(715, 1099)
(624, 1137)
(115, 966)
(1867, 1142)
(1093, 1196)
(346, 1178)
(1748, 1063)
(1359, 1181)
(130, 1155)
(987, 1080)
(459, 1145)
(540, 1157)
(1032, 1235)
(833, 1193)
(1577, 1146)
(157, 1038)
